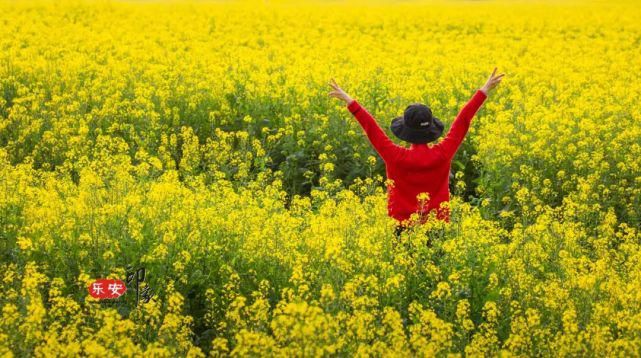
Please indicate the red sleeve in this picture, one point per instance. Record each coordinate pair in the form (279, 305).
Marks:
(381, 142)
(457, 132)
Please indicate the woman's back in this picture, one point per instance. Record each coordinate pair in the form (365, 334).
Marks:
(420, 169)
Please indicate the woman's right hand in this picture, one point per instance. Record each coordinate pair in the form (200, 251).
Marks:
(492, 82)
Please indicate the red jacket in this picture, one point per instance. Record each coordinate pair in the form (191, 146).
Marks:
(422, 168)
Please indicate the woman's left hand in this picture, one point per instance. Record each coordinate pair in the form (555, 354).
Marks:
(339, 93)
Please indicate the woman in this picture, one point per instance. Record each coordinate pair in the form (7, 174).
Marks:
(421, 168)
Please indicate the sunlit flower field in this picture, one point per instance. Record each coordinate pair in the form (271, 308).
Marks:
(196, 140)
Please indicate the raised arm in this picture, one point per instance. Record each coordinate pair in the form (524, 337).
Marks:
(384, 146)
(461, 125)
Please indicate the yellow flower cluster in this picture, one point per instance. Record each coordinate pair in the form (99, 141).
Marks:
(197, 140)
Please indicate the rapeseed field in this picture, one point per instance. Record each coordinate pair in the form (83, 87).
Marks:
(196, 141)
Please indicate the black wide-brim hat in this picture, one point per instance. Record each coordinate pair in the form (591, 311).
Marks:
(430, 131)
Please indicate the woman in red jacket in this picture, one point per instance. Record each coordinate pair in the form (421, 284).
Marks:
(421, 168)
